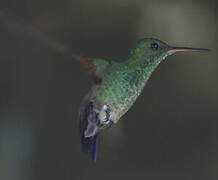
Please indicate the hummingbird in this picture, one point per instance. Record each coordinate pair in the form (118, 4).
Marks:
(117, 85)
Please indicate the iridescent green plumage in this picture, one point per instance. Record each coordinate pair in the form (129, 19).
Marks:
(118, 86)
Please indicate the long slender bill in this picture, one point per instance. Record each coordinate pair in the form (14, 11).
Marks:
(185, 49)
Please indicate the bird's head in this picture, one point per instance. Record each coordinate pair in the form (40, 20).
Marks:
(151, 49)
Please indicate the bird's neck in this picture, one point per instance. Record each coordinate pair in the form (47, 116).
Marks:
(141, 65)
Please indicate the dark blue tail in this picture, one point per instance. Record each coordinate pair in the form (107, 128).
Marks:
(89, 130)
(90, 145)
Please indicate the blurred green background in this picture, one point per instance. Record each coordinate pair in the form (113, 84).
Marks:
(171, 131)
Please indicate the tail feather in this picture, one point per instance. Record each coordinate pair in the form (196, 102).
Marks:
(89, 130)
(90, 145)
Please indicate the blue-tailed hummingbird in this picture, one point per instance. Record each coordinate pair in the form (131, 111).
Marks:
(117, 85)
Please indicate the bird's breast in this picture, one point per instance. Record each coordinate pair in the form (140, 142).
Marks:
(120, 92)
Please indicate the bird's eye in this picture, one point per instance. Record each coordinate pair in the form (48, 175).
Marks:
(154, 46)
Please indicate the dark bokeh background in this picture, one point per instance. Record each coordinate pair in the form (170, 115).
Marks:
(169, 134)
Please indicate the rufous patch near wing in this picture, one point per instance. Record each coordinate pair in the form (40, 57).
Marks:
(86, 62)
(90, 67)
